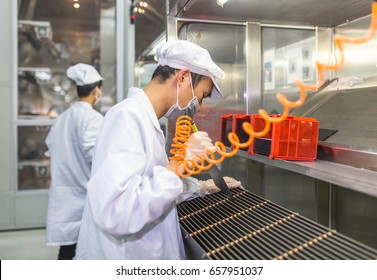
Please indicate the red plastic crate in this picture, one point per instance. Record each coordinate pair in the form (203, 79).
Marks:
(296, 138)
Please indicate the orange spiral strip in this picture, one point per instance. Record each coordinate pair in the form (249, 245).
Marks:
(182, 133)
(205, 161)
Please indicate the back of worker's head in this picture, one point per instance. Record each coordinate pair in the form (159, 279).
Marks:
(86, 78)
(182, 54)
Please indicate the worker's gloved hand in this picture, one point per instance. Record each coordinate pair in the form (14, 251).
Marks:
(209, 186)
(197, 144)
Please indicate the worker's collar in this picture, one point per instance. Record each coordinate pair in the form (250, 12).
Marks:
(140, 95)
(84, 104)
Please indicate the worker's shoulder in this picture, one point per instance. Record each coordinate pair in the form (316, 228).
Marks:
(129, 106)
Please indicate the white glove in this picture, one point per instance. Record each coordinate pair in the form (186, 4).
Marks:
(198, 143)
(210, 187)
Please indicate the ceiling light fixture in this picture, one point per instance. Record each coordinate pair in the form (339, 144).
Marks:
(221, 3)
(76, 5)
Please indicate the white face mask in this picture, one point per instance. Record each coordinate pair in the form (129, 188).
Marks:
(190, 110)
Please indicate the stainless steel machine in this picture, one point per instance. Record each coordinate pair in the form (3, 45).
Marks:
(251, 227)
(263, 46)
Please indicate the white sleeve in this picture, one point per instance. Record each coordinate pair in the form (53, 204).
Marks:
(128, 192)
(191, 190)
(89, 135)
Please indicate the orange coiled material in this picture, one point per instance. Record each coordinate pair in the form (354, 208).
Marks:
(182, 134)
(205, 161)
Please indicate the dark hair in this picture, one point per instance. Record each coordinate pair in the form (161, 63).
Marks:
(84, 91)
(163, 73)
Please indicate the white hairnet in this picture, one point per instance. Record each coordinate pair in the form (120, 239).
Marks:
(83, 74)
(181, 54)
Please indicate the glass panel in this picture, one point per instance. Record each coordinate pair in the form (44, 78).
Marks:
(41, 93)
(288, 55)
(52, 35)
(33, 165)
(359, 69)
(229, 54)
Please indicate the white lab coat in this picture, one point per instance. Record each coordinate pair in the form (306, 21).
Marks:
(130, 210)
(70, 144)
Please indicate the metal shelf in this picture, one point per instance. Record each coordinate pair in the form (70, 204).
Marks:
(353, 178)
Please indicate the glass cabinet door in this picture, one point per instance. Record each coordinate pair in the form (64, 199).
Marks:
(33, 165)
(53, 35)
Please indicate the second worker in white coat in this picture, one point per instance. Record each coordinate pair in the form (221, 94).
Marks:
(70, 145)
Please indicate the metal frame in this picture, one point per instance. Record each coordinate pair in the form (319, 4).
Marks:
(125, 51)
(254, 94)
(14, 89)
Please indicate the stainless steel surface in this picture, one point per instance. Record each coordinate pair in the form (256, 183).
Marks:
(171, 28)
(356, 179)
(352, 169)
(360, 157)
(361, 59)
(298, 12)
(296, 192)
(352, 112)
(354, 214)
(356, 73)
(210, 35)
(315, 100)
(255, 228)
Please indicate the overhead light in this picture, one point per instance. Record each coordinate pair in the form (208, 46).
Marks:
(221, 2)
(76, 5)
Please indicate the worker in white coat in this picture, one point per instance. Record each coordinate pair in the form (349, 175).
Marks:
(70, 144)
(130, 211)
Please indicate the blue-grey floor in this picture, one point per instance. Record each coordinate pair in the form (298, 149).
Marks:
(26, 245)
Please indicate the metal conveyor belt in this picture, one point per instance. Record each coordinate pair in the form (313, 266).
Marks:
(255, 228)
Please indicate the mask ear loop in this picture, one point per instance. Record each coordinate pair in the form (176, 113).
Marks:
(176, 91)
(192, 88)
(192, 91)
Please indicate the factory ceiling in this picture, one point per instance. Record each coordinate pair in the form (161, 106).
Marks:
(64, 18)
(323, 13)
(152, 23)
